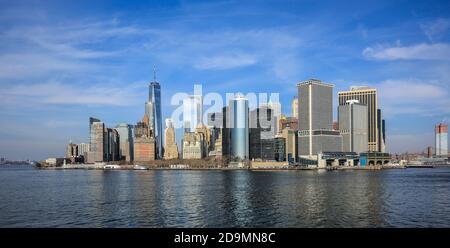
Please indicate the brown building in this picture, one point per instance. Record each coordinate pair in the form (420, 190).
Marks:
(289, 123)
(144, 149)
(170, 148)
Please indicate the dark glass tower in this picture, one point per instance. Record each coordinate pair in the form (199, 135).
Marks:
(154, 96)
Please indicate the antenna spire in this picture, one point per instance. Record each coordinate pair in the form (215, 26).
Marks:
(154, 73)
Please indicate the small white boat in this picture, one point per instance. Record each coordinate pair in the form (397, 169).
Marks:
(139, 167)
(111, 166)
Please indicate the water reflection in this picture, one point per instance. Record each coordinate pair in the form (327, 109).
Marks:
(82, 198)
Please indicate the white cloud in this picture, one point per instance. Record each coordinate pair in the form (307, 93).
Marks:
(221, 62)
(413, 96)
(436, 29)
(58, 93)
(423, 51)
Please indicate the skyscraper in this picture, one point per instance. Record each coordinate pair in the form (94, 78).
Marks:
(126, 141)
(262, 133)
(97, 133)
(239, 129)
(294, 107)
(367, 96)
(192, 112)
(170, 146)
(441, 140)
(154, 97)
(316, 118)
(381, 130)
(353, 126)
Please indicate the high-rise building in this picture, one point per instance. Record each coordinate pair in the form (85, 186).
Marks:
(71, 150)
(291, 144)
(315, 119)
(83, 149)
(97, 133)
(239, 136)
(193, 145)
(289, 123)
(441, 131)
(192, 112)
(276, 107)
(154, 97)
(353, 126)
(111, 145)
(126, 141)
(171, 148)
(144, 148)
(261, 133)
(381, 132)
(367, 96)
(294, 107)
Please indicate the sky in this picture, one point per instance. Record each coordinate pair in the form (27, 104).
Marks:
(64, 61)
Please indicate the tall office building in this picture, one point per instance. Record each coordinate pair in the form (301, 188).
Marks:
(353, 126)
(316, 118)
(239, 121)
(83, 149)
(441, 140)
(294, 107)
(276, 107)
(381, 132)
(126, 141)
(262, 133)
(367, 96)
(154, 97)
(111, 145)
(97, 133)
(170, 145)
(192, 112)
(149, 118)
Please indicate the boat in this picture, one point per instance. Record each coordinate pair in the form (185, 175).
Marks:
(139, 167)
(112, 166)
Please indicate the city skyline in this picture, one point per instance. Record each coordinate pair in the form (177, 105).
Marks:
(57, 72)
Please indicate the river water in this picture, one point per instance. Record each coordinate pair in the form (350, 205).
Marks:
(31, 197)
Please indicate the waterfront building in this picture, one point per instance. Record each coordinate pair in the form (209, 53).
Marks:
(441, 147)
(367, 96)
(193, 145)
(353, 126)
(71, 150)
(294, 107)
(291, 144)
(429, 152)
(171, 148)
(97, 133)
(192, 112)
(83, 149)
(315, 119)
(126, 141)
(381, 132)
(279, 147)
(206, 133)
(111, 145)
(154, 97)
(218, 146)
(144, 149)
(239, 121)
(149, 118)
(261, 133)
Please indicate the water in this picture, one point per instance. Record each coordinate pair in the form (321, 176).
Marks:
(93, 198)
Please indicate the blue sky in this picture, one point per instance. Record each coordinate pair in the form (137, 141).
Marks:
(63, 61)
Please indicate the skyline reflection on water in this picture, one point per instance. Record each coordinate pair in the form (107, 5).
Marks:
(176, 198)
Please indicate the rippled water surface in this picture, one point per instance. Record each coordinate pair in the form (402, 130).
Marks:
(93, 198)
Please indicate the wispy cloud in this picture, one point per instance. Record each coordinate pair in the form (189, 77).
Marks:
(423, 51)
(414, 96)
(436, 29)
(221, 62)
(56, 93)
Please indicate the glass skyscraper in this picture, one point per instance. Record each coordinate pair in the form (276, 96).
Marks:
(239, 128)
(154, 97)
